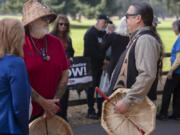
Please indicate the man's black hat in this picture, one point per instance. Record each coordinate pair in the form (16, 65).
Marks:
(105, 17)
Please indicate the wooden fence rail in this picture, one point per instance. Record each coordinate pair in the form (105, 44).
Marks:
(84, 101)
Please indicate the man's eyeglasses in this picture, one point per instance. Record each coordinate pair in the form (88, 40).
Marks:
(65, 24)
(127, 15)
(46, 18)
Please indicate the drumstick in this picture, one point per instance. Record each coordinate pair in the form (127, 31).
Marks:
(46, 126)
(103, 95)
(138, 128)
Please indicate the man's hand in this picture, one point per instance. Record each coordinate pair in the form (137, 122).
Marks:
(169, 75)
(71, 59)
(50, 107)
(121, 107)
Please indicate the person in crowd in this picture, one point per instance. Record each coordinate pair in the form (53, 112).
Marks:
(94, 49)
(118, 41)
(45, 59)
(172, 85)
(139, 65)
(61, 30)
(153, 92)
(155, 21)
(15, 88)
(110, 27)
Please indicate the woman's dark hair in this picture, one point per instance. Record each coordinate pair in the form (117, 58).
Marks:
(55, 30)
(146, 12)
(177, 24)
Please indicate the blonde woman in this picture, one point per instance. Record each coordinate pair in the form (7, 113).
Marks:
(14, 84)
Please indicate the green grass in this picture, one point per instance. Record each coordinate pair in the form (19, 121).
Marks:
(78, 30)
(168, 37)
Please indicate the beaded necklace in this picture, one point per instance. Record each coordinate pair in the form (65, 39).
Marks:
(43, 50)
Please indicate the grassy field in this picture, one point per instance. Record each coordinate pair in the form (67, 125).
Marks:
(78, 30)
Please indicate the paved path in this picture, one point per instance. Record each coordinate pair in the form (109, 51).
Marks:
(170, 127)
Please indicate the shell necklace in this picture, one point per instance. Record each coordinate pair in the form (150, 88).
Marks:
(43, 50)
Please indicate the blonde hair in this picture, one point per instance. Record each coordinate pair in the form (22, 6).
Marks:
(11, 37)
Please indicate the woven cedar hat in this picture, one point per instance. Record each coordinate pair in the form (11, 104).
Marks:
(139, 120)
(53, 126)
(34, 10)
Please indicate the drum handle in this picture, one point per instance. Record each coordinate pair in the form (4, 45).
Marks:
(103, 95)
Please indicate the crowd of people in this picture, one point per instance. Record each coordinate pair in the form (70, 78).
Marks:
(34, 64)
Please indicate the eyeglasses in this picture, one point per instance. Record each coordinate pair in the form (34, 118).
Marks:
(127, 15)
(65, 24)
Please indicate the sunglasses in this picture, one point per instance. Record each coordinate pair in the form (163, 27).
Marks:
(46, 18)
(127, 15)
(65, 24)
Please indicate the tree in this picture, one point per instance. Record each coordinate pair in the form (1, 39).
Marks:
(92, 8)
(12, 6)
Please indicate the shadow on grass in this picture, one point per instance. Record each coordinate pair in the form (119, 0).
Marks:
(73, 26)
(165, 29)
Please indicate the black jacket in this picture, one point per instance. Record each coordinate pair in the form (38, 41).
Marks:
(118, 44)
(94, 46)
(69, 50)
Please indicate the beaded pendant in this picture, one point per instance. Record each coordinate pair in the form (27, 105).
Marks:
(48, 58)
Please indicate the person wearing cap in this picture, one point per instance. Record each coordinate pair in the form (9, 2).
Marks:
(140, 64)
(94, 49)
(155, 21)
(45, 60)
(15, 90)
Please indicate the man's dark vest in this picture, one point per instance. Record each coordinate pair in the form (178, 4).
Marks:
(132, 72)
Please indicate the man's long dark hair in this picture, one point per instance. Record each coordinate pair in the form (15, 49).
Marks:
(146, 12)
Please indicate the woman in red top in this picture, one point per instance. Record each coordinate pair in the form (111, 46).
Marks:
(61, 30)
(45, 60)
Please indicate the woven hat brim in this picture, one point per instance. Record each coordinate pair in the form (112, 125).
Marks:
(52, 18)
(34, 10)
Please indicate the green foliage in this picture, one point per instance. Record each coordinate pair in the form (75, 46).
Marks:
(12, 6)
(92, 8)
(75, 8)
